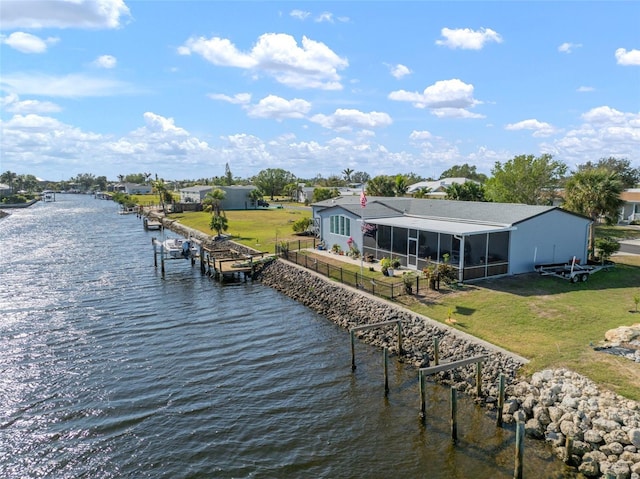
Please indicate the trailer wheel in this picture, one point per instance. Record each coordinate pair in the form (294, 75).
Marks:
(584, 277)
(575, 278)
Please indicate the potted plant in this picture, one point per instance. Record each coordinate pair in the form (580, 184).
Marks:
(395, 263)
(385, 264)
(336, 248)
(408, 279)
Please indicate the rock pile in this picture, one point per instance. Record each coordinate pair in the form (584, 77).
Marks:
(604, 428)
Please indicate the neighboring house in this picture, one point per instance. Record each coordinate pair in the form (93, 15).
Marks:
(5, 190)
(481, 239)
(305, 193)
(630, 210)
(437, 188)
(194, 194)
(132, 188)
(236, 196)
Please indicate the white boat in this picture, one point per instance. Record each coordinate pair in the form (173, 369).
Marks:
(48, 196)
(179, 248)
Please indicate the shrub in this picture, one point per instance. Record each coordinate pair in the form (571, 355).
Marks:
(301, 225)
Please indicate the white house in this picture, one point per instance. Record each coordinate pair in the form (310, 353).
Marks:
(480, 239)
(631, 207)
(236, 197)
(133, 188)
(437, 188)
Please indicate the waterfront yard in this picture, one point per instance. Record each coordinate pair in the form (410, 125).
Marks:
(550, 321)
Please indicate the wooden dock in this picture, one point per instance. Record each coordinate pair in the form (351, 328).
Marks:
(230, 264)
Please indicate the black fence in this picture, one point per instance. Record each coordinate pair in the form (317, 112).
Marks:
(367, 280)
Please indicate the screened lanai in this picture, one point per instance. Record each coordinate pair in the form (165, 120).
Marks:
(477, 250)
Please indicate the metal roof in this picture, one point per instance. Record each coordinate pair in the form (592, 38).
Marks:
(440, 226)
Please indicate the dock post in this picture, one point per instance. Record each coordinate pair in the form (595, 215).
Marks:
(155, 253)
(202, 269)
(422, 393)
(568, 448)
(500, 400)
(353, 351)
(454, 414)
(385, 361)
(479, 379)
(162, 260)
(517, 471)
(399, 338)
(436, 352)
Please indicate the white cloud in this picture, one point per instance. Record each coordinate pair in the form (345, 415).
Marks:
(63, 13)
(568, 47)
(13, 104)
(420, 135)
(310, 65)
(105, 61)
(278, 108)
(347, 119)
(446, 98)
(468, 39)
(626, 58)
(585, 89)
(70, 86)
(325, 17)
(237, 99)
(299, 14)
(398, 71)
(604, 132)
(539, 128)
(28, 43)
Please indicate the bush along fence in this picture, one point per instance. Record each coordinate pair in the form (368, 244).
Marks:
(410, 282)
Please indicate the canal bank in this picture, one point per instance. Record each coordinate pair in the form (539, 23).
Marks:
(593, 430)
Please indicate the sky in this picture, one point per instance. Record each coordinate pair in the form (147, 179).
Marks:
(180, 89)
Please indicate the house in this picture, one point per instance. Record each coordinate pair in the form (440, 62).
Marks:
(132, 188)
(237, 197)
(630, 210)
(5, 190)
(479, 239)
(437, 188)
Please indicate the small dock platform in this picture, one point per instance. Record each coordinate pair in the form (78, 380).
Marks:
(151, 224)
(230, 264)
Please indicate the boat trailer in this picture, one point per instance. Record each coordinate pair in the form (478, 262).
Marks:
(572, 270)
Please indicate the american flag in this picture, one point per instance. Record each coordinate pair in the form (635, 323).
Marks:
(363, 199)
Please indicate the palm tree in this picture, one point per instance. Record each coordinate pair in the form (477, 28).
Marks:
(219, 223)
(594, 193)
(161, 189)
(9, 177)
(401, 185)
(347, 172)
(213, 201)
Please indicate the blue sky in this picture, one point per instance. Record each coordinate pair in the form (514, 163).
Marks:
(181, 88)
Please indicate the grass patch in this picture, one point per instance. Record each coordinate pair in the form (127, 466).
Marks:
(552, 322)
(260, 229)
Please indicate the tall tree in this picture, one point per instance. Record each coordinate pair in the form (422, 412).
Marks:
(9, 177)
(464, 171)
(347, 172)
(321, 194)
(629, 176)
(219, 223)
(401, 186)
(360, 177)
(381, 185)
(228, 176)
(525, 179)
(273, 180)
(594, 193)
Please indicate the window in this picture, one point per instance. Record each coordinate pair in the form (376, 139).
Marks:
(340, 225)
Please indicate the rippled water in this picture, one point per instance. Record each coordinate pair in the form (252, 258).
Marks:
(108, 371)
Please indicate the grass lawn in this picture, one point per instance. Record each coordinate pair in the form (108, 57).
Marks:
(260, 229)
(550, 321)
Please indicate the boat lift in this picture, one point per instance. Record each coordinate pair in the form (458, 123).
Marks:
(573, 271)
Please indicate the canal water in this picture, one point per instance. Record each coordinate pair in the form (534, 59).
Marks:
(109, 371)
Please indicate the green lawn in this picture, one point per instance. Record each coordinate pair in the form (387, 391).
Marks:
(550, 321)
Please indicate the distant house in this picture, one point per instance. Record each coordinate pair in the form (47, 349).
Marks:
(631, 208)
(5, 190)
(479, 239)
(437, 188)
(132, 188)
(236, 196)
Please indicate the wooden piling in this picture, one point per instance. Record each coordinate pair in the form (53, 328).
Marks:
(568, 449)
(353, 350)
(500, 400)
(454, 414)
(162, 260)
(421, 385)
(385, 361)
(479, 379)
(436, 352)
(519, 455)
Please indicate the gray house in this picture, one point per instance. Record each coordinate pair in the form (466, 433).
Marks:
(480, 239)
(236, 196)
